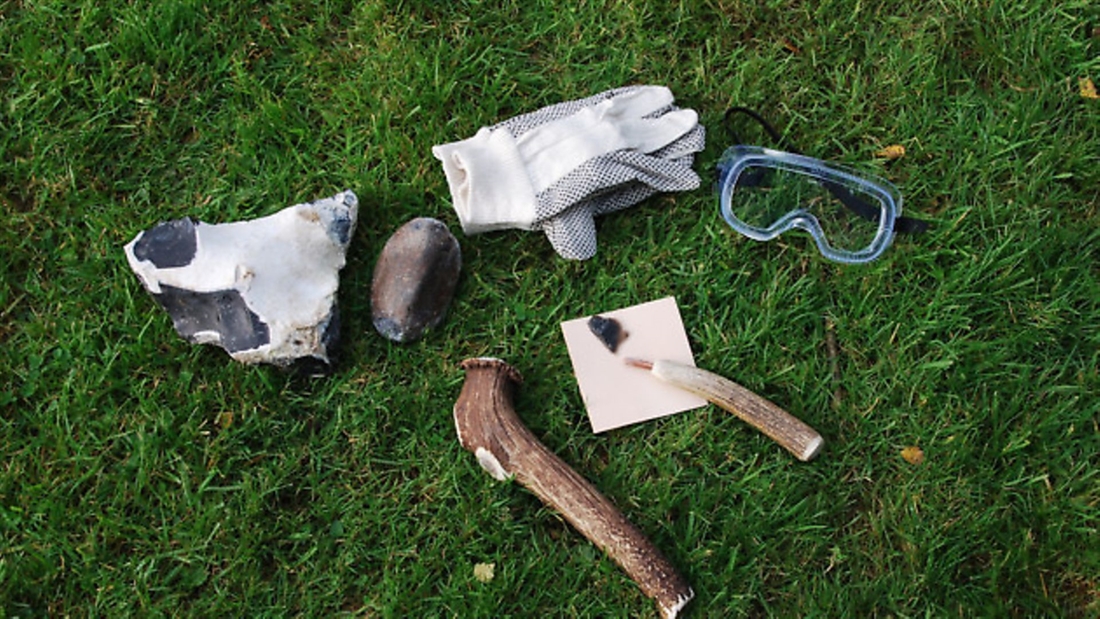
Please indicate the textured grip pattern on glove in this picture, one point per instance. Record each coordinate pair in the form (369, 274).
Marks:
(611, 183)
(556, 168)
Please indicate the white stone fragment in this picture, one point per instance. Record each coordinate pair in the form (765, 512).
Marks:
(263, 289)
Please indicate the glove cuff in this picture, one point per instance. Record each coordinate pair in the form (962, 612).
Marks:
(489, 185)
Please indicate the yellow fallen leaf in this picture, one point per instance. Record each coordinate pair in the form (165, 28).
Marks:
(913, 454)
(484, 571)
(894, 151)
(1088, 89)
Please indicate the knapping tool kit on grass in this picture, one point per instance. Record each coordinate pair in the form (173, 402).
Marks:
(265, 289)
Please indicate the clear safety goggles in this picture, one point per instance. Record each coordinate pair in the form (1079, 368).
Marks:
(764, 193)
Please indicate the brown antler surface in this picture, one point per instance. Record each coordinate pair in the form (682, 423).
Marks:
(488, 426)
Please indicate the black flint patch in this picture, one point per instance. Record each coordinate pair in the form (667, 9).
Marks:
(340, 229)
(167, 245)
(223, 312)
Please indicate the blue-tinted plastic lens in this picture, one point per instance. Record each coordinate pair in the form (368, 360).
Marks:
(764, 193)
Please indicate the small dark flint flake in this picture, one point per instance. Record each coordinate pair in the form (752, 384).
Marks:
(608, 330)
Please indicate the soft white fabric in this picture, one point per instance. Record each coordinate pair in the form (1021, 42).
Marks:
(556, 168)
(495, 177)
(489, 184)
(553, 150)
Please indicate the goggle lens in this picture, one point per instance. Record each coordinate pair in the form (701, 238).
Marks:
(765, 193)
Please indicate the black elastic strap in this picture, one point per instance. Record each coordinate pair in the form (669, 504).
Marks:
(910, 225)
(772, 133)
(903, 224)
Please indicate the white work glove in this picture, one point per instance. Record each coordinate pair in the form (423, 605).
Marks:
(556, 168)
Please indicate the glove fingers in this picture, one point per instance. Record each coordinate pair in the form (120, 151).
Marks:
(519, 125)
(635, 103)
(647, 135)
(610, 171)
(660, 174)
(550, 151)
(686, 146)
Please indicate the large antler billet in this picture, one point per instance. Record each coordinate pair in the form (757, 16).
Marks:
(488, 426)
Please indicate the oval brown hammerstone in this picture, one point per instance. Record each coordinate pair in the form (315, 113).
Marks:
(415, 279)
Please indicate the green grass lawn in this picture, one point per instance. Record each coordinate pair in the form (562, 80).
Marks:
(144, 476)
